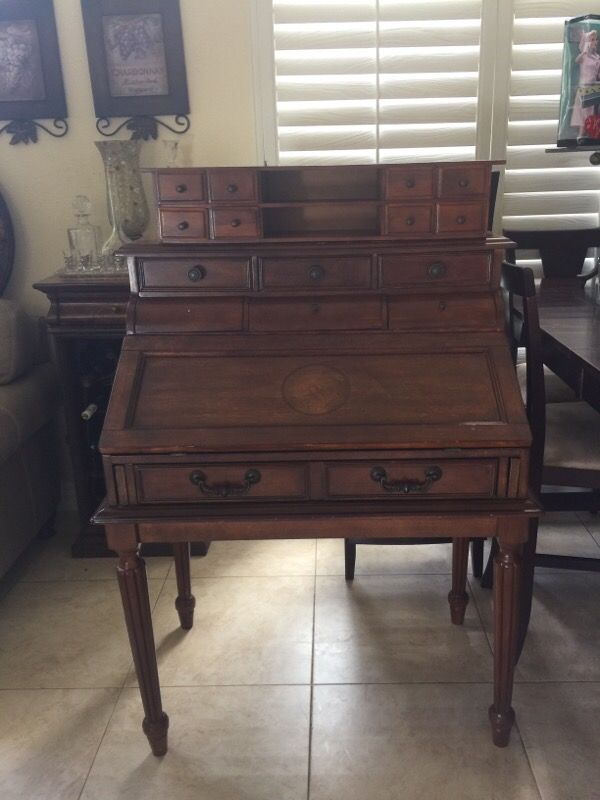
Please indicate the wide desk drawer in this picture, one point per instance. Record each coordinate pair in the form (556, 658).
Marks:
(210, 483)
(414, 478)
(195, 274)
(316, 314)
(318, 272)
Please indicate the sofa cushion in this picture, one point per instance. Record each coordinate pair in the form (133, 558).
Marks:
(26, 405)
(16, 342)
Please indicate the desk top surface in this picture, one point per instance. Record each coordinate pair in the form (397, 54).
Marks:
(311, 393)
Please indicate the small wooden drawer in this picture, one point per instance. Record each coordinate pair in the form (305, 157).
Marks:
(182, 224)
(408, 183)
(413, 479)
(194, 274)
(443, 311)
(437, 269)
(328, 272)
(220, 483)
(463, 181)
(461, 218)
(234, 223)
(409, 219)
(76, 311)
(181, 186)
(316, 314)
(198, 315)
(231, 185)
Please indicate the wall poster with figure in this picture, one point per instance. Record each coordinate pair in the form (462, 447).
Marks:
(136, 60)
(579, 115)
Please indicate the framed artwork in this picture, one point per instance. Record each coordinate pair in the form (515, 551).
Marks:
(579, 114)
(31, 83)
(137, 64)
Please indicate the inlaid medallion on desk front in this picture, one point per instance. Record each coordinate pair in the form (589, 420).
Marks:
(316, 389)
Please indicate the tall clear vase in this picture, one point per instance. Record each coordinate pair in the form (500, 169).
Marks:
(127, 206)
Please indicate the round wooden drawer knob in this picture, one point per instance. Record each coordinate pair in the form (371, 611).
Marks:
(183, 226)
(181, 188)
(316, 273)
(410, 221)
(232, 188)
(410, 183)
(463, 183)
(235, 223)
(197, 273)
(437, 270)
(461, 220)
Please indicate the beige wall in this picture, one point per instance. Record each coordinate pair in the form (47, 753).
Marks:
(39, 181)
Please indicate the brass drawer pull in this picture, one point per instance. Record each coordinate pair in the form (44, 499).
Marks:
(316, 272)
(463, 183)
(461, 220)
(181, 188)
(379, 475)
(197, 273)
(226, 489)
(232, 187)
(410, 220)
(183, 226)
(235, 223)
(437, 270)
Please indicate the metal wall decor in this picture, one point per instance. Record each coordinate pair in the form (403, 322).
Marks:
(31, 83)
(137, 65)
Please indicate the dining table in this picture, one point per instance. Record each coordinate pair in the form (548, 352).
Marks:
(570, 327)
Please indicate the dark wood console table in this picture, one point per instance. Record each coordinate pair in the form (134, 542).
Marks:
(317, 352)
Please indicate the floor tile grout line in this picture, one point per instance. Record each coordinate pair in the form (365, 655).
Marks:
(530, 765)
(479, 614)
(104, 732)
(312, 678)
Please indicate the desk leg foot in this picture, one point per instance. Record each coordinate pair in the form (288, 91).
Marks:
(185, 602)
(131, 574)
(458, 597)
(507, 579)
(156, 731)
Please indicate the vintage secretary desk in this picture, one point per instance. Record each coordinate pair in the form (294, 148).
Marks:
(317, 352)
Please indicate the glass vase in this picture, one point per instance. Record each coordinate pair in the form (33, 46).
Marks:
(127, 207)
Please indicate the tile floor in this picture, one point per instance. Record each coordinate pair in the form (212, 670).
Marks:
(294, 685)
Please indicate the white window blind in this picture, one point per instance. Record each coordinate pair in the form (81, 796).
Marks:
(543, 190)
(367, 81)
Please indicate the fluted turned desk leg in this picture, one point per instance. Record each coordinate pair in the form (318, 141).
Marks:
(186, 602)
(458, 597)
(507, 578)
(131, 572)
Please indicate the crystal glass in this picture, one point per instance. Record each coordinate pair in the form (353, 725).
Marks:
(127, 207)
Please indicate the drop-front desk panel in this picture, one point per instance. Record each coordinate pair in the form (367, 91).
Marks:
(317, 352)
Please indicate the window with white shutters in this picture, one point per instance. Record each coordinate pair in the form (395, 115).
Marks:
(367, 81)
(543, 190)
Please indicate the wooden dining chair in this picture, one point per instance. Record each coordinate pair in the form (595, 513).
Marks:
(566, 440)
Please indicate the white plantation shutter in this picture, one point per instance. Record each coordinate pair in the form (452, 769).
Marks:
(543, 190)
(367, 81)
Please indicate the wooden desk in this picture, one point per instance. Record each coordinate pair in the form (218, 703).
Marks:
(317, 352)
(570, 323)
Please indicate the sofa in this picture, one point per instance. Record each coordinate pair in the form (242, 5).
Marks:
(29, 469)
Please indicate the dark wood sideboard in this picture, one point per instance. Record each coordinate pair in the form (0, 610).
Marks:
(317, 352)
(86, 323)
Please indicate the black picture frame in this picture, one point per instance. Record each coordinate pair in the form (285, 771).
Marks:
(122, 33)
(32, 87)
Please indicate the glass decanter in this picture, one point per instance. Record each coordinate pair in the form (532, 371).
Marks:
(84, 238)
